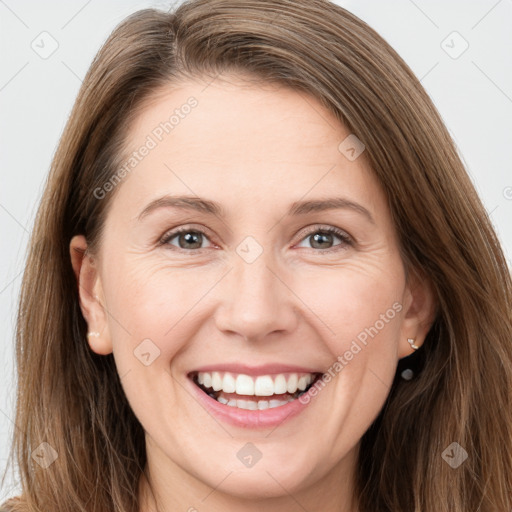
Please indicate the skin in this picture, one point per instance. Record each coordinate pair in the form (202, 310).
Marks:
(251, 149)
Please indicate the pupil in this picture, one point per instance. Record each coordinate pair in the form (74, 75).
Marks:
(321, 237)
(191, 238)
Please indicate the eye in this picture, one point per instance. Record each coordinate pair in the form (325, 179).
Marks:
(323, 237)
(189, 239)
(186, 237)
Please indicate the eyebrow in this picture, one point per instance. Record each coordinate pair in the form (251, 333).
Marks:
(212, 208)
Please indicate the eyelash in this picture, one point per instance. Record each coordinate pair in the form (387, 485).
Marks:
(345, 239)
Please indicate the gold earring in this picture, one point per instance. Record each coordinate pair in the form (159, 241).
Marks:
(411, 342)
(92, 333)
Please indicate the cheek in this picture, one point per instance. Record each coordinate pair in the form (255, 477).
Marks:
(148, 301)
(359, 301)
(150, 319)
(359, 310)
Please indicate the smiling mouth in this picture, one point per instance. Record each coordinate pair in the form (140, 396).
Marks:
(254, 393)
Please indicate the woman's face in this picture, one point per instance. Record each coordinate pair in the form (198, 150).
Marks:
(256, 296)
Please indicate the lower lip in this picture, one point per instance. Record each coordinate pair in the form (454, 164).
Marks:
(248, 418)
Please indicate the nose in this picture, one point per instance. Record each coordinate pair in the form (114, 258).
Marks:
(256, 301)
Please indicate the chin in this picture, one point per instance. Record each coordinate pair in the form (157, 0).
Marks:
(271, 480)
(259, 485)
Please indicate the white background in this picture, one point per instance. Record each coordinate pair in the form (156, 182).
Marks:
(472, 92)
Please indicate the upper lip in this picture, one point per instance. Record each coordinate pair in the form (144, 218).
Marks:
(266, 369)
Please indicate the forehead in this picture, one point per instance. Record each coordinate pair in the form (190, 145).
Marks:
(230, 138)
(228, 110)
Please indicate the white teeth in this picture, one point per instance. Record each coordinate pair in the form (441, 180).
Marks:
(252, 405)
(276, 403)
(302, 385)
(207, 380)
(216, 381)
(262, 404)
(262, 385)
(291, 386)
(228, 384)
(244, 385)
(247, 404)
(280, 385)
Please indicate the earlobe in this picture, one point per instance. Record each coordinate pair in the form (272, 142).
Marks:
(89, 295)
(419, 313)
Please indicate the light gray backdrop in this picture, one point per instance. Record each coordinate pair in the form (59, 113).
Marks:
(461, 50)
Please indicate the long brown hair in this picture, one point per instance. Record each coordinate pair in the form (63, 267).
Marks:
(72, 399)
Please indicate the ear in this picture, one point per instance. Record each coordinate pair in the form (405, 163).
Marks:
(90, 294)
(419, 312)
